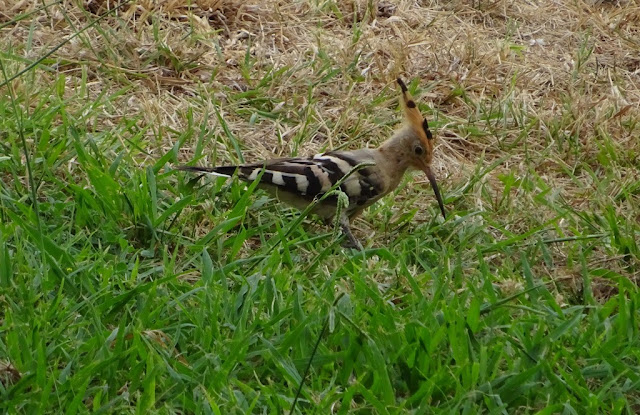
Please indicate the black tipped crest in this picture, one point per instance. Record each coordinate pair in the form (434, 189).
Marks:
(402, 85)
(425, 126)
(410, 102)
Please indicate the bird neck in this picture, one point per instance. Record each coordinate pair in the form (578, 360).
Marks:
(396, 152)
(394, 158)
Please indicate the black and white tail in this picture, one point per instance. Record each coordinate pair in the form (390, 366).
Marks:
(226, 171)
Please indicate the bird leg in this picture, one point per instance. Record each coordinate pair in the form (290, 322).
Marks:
(351, 241)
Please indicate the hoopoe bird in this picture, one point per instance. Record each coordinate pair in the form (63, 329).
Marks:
(364, 175)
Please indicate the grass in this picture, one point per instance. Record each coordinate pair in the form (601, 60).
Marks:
(127, 287)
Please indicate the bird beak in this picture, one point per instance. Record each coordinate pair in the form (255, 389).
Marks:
(436, 190)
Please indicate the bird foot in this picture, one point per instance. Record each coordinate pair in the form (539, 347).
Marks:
(351, 241)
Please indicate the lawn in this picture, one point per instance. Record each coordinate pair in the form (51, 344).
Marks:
(129, 287)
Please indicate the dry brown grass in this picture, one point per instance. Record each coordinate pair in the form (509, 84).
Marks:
(519, 54)
(500, 78)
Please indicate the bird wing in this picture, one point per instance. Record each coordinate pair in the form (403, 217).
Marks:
(311, 177)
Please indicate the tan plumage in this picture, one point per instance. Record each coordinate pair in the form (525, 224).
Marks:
(299, 181)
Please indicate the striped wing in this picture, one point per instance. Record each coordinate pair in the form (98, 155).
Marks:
(309, 178)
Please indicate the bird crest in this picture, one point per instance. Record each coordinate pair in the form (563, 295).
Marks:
(413, 116)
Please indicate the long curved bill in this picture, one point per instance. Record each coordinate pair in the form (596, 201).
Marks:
(436, 190)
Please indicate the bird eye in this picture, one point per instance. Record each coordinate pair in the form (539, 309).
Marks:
(418, 150)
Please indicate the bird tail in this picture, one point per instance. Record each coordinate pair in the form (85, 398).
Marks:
(225, 171)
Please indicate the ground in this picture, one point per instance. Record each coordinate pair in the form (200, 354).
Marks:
(127, 286)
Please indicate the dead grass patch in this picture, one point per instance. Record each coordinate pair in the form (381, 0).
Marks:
(555, 86)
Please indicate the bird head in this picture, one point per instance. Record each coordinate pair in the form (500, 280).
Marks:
(421, 151)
